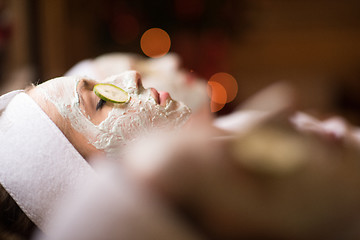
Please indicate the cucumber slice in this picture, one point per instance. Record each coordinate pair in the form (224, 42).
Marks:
(111, 93)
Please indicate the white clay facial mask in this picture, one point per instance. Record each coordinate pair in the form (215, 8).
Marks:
(140, 115)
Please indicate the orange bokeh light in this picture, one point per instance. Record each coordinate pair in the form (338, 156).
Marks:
(217, 94)
(155, 42)
(228, 82)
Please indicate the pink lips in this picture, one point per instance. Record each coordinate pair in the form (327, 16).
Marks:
(160, 97)
(164, 96)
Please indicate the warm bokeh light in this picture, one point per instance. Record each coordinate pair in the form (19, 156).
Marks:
(155, 42)
(228, 82)
(218, 96)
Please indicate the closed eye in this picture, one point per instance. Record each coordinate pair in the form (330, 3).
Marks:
(100, 104)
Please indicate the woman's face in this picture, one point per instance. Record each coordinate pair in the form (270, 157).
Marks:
(108, 126)
(163, 73)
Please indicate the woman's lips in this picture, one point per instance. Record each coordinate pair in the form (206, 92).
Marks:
(160, 97)
(164, 96)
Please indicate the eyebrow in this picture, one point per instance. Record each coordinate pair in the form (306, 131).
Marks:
(82, 85)
(79, 87)
(85, 83)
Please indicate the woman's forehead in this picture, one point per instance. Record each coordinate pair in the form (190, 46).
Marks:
(63, 82)
(127, 78)
(59, 87)
(64, 85)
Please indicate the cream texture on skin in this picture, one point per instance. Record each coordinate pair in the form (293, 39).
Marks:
(125, 122)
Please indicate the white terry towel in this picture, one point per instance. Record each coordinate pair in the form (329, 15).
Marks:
(38, 165)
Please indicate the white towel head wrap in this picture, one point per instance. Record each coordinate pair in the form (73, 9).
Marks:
(38, 165)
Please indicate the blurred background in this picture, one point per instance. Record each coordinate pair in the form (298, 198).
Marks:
(314, 44)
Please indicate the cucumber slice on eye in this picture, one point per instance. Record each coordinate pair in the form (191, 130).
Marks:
(111, 93)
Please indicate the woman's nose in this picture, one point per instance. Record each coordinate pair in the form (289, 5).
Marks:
(133, 79)
(138, 81)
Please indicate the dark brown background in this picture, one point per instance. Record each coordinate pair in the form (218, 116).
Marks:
(314, 44)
